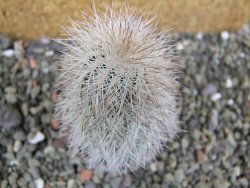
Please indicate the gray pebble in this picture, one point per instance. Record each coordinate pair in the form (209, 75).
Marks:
(184, 143)
(49, 53)
(19, 135)
(153, 167)
(9, 117)
(96, 179)
(22, 183)
(210, 89)
(27, 176)
(4, 42)
(25, 109)
(221, 183)
(11, 98)
(202, 184)
(168, 177)
(35, 91)
(13, 179)
(244, 182)
(214, 120)
(35, 110)
(179, 175)
(116, 182)
(90, 185)
(4, 184)
(38, 50)
(71, 183)
(235, 173)
(17, 146)
(34, 172)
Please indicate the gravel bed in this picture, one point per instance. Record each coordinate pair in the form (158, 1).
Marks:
(215, 112)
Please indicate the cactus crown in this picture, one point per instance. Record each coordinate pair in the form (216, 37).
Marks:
(118, 90)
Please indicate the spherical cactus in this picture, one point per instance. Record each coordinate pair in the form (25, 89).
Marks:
(118, 87)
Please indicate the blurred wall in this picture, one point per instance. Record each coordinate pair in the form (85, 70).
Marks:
(30, 19)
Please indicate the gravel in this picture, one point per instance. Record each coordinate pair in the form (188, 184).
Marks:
(214, 110)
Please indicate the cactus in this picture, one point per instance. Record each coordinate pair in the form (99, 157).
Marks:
(118, 87)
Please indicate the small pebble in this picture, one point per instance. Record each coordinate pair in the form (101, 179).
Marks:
(86, 175)
(199, 36)
(4, 184)
(90, 185)
(17, 146)
(49, 53)
(224, 35)
(236, 172)
(35, 137)
(216, 97)
(9, 117)
(71, 183)
(179, 175)
(214, 121)
(229, 83)
(202, 184)
(201, 156)
(184, 143)
(116, 182)
(54, 124)
(209, 89)
(127, 180)
(39, 183)
(4, 42)
(32, 62)
(153, 167)
(179, 46)
(8, 53)
(45, 40)
(230, 102)
(49, 150)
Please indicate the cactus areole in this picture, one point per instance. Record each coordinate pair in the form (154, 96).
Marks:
(118, 85)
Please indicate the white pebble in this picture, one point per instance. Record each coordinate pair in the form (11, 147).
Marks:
(39, 183)
(217, 61)
(38, 137)
(230, 102)
(153, 167)
(8, 53)
(45, 70)
(229, 83)
(17, 146)
(14, 162)
(199, 36)
(45, 40)
(224, 35)
(237, 171)
(49, 53)
(179, 46)
(242, 55)
(216, 97)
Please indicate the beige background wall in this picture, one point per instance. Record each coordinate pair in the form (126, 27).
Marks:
(30, 19)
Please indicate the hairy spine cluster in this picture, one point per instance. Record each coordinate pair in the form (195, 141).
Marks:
(118, 87)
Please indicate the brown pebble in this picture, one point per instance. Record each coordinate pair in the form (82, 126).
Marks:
(32, 62)
(201, 156)
(127, 180)
(54, 97)
(54, 124)
(59, 142)
(86, 175)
